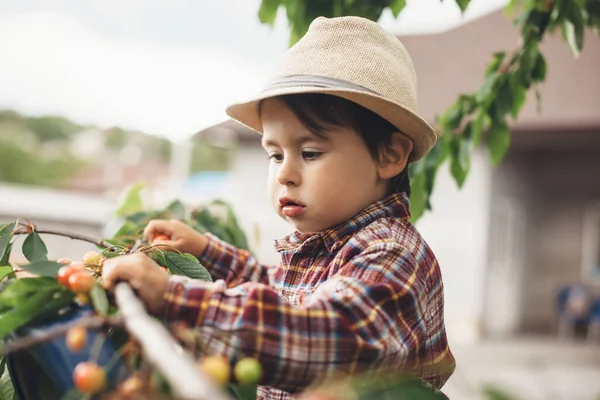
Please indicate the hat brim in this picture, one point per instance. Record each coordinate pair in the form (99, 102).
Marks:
(407, 122)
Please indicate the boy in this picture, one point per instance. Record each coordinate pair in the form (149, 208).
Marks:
(357, 288)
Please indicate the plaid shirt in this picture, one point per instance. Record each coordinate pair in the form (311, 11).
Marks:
(364, 295)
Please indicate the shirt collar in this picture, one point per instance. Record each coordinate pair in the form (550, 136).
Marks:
(393, 206)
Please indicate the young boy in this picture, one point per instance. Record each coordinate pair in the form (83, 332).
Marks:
(358, 288)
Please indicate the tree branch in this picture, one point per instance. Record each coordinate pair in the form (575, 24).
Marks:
(95, 321)
(162, 351)
(73, 236)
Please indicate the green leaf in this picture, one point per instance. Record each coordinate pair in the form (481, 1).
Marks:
(573, 28)
(26, 298)
(34, 248)
(397, 6)
(244, 392)
(423, 175)
(6, 259)
(5, 236)
(43, 268)
(132, 202)
(486, 89)
(4, 271)
(540, 68)
(180, 264)
(268, 11)
(237, 236)
(520, 96)
(461, 147)
(463, 4)
(503, 102)
(494, 65)
(418, 193)
(478, 124)
(7, 391)
(452, 118)
(176, 209)
(498, 141)
(494, 393)
(99, 299)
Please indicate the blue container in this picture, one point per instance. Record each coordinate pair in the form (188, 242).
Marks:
(45, 371)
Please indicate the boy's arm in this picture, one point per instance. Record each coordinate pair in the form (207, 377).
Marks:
(233, 265)
(372, 312)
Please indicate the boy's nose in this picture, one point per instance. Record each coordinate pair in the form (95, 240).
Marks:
(288, 174)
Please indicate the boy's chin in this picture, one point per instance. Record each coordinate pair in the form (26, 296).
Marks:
(305, 227)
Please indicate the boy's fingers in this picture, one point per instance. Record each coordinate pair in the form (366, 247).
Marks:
(154, 227)
(124, 268)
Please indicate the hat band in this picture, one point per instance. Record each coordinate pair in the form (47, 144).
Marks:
(317, 81)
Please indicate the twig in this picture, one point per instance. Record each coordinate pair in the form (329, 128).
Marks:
(74, 236)
(161, 350)
(95, 321)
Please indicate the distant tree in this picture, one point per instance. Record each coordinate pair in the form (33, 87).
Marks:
(18, 165)
(115, 138)
(49, 128)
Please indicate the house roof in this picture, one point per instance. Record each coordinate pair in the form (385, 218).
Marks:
(454, 62)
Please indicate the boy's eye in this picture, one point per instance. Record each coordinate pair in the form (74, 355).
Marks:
(276, 156)
(311, 155)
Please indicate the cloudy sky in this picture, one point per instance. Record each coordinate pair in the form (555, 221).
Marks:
(167, 67)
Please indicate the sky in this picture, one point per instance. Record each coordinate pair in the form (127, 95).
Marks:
(166, 67)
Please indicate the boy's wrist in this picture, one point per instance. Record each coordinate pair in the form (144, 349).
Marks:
(202, 245)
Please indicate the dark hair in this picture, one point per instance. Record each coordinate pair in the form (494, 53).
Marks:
(319, 112)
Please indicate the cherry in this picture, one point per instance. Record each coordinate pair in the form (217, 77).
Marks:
(131, 386)
(89, 378)
(248, 371)
(92, 257)
(63, 275)
(65, 261)
(81, 282)
(216, 367)
(160, 236)
(76, 338)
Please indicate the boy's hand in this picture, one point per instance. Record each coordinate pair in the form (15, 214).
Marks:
(142, 274)
(178, 235)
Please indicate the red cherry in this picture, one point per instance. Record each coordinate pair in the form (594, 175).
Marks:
(81, 282)
(89, 378)
(63, 275)
(160, 237)
(76, 338)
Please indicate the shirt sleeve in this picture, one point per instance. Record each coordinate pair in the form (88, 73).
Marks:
(369, 313)
(234, 266)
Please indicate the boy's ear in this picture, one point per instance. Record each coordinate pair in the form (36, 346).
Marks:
(394, 157)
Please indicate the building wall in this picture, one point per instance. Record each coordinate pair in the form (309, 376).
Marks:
(555, 182)
(457, 231)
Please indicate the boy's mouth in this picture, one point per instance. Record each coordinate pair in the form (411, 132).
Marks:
(291, 207)
(288, 201)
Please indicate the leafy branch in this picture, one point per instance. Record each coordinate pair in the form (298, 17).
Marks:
(27, 228)
(485, 113)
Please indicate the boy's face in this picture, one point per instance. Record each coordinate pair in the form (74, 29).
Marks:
(316, 182)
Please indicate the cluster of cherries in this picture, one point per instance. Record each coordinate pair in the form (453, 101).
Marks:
(90, 378)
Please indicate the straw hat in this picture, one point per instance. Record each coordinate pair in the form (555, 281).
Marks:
(352, 58)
